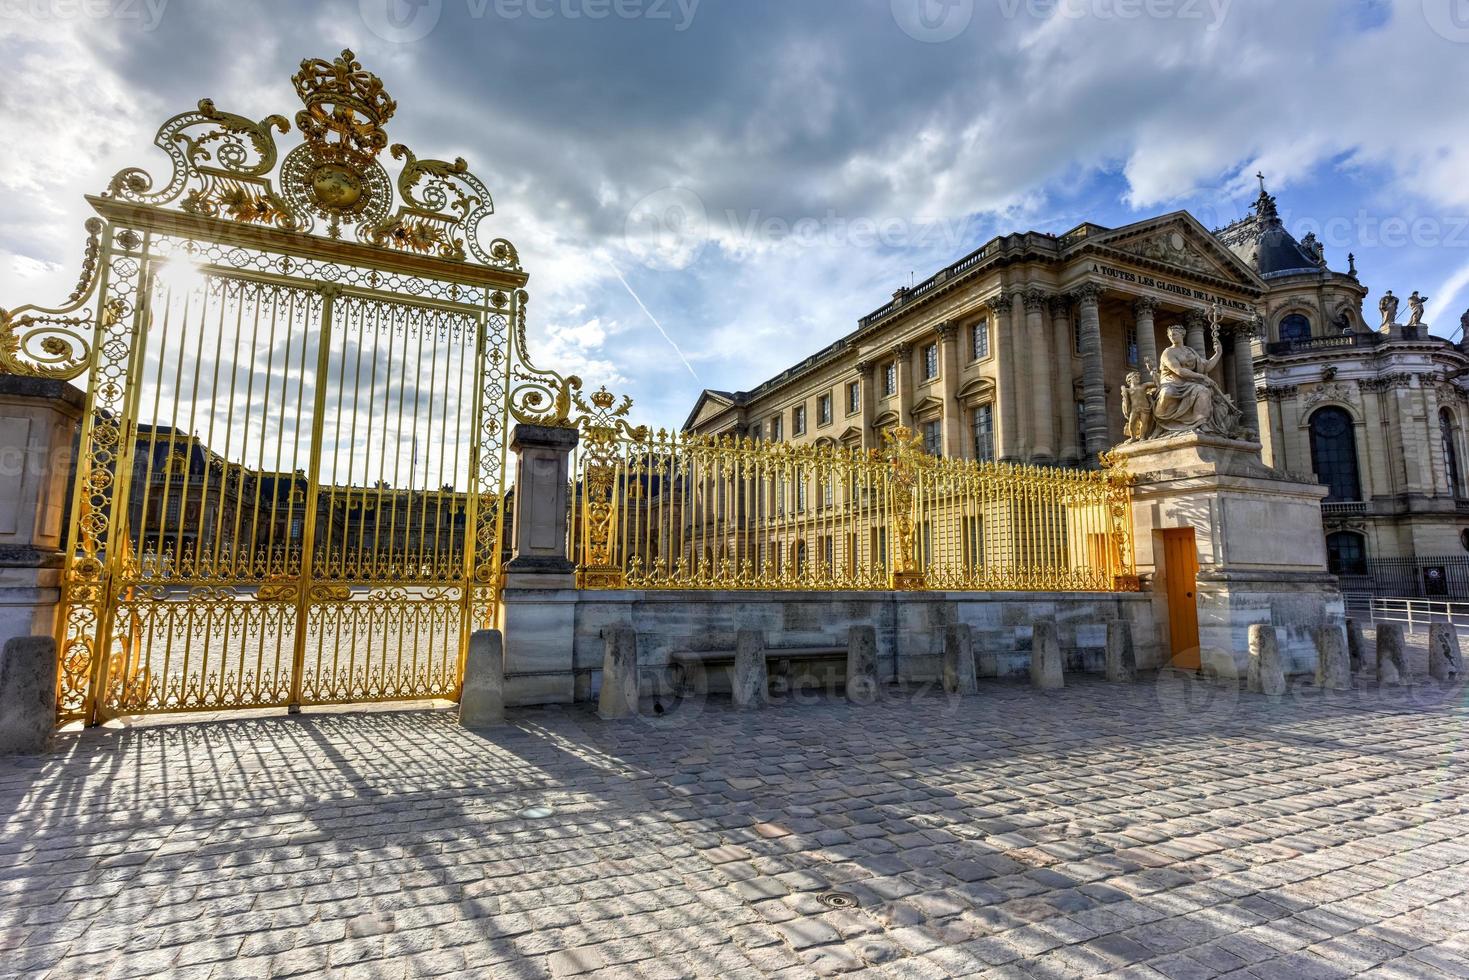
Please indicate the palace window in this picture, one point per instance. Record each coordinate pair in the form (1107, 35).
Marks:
(854, 398)
(1132, 351)
(1295, 329)
(1334, 454)
(979, 341)
(800, 493)
(1449, 434)
(933, 438)
(775, 429)
(890, 379)
(984, 433)
(1346, 553)
(931, 362)
(823, 410)
(798, 420)
(974, 543)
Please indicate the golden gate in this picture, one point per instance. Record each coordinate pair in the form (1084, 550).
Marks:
(292, 464)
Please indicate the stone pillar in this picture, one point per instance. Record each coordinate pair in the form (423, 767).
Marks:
(862, 664)
(1121, 654)
(1094, 386)
(1024, 404)
(39, 419)
(866, 378)
(959, 674)
(1333, 668)
(1266, 674)
(903, 355)
(537, 615)
(482, 701)
(1356, 645)
(750, 682)
(619, 695)
(27, 694)
(1047, 668)
(950, 338)
(1445, 659)
(1007, 442)
(1197, 325)
(1392, 664)
(1244, 377)
(1042, 374)
(1146, 309)
(1068, 453)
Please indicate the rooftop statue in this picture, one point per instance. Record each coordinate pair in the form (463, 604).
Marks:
(1389, 308)
(1415, 305)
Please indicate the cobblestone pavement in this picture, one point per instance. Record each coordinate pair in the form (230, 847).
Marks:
(1158, 830)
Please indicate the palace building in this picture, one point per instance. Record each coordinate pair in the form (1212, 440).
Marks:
(1018, 351)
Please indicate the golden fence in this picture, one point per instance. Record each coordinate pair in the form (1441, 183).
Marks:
(676, 511)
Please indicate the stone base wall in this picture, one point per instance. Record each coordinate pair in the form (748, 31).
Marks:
(1297, 606)
(910, 628)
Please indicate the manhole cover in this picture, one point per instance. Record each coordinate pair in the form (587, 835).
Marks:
(838, 900)
(535, 813)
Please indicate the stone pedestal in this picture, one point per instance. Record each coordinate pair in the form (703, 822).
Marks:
(862, 664)
(1392, 664)
(538, 604)
(959, 675)
(750, 683)
(27, 694)
(38, 431)
(1047, 667)
(1121, 656)
(1260, 549)
(619, 696)
(1333, 667)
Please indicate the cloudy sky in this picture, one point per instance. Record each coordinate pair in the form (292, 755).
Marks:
(706, 190)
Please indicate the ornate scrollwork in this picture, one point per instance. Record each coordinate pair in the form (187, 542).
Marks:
(905, 455)
(537, 396)
(57, 343)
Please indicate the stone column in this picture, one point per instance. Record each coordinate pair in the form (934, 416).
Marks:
(953, 418)
(1006, 436)
(1146, 309)
(1094, 387)
(1244, 377)
(866, 375)
(537, 615)
(1043, 371)
(39, 418)
(1197, 325)
(1024, 422)
(903, 354)
(1062, 347)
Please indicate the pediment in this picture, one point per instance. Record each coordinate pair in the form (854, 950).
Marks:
(851, 433)
(924, 406)
(886, 420)
(977, 388)
(1178, 243)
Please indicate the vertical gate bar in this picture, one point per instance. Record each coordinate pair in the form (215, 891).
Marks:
(329, 295)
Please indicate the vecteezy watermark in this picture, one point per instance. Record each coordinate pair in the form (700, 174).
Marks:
(147, 14)
(669, 229)
(1365, 230)
(1448, 18)
(1211, 13)
(404, 21)
(933, 21)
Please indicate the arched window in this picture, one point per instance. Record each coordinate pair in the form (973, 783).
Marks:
(1448, 432)
(1346, 553)
(1334, 454)
(1295, 329)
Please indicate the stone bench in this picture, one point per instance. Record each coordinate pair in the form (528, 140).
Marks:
(692, 669)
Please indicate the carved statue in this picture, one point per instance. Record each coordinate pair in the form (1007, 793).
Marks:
(1415, 304)
(1389, 308)
(1137, 406)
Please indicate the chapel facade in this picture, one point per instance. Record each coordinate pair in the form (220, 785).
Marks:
(1019, 351)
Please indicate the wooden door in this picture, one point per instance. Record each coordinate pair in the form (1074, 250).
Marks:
(1181, 570)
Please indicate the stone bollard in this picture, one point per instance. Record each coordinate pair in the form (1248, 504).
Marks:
(1121, 655)
(619, 697)
(1356, 645)
(959, 675)
(27, 694)
(1267, 673)
(1047, 669)
(482, 702)
(1445, 659)
(750, 683)
(862, 664)
(1392, 665)
(1333, 670)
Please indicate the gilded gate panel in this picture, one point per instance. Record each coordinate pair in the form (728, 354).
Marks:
(292, 473)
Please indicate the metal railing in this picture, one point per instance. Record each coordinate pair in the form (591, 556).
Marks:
(679, 511)
(1414, 614)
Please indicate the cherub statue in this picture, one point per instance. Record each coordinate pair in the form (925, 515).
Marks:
(1137, 405)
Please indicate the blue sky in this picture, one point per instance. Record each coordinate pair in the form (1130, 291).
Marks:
(706, 190)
